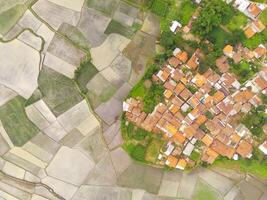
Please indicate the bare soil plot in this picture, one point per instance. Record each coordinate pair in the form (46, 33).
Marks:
(103, 173)
(54, 14)
(126, 14)
(204, 192)
(20, 63)
(29, 38)
(18, 127)
(74, 34)
(138, 51)
(110, 111)
(59, 92)
(62, 188)
(28, 20)
(65, 50)
(99, 90)
(151, 25)
(112, 77)
(105, 6)
(141, 177)
(219, 182)
(47, 34)
(93, 25)
(119, 28)
(102, 192)
(111, 48)
(6, 94)
(8, 18)
(59, 65)
(70, 172)
(73, 5)
(80, 117)
(93, 146)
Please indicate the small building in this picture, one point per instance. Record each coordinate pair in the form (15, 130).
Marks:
(175, 25)
(263, 147)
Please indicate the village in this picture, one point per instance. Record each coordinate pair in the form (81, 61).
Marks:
(200, 111)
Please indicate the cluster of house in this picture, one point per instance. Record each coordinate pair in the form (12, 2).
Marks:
(253, 11)
(250, 9)
(199, 112)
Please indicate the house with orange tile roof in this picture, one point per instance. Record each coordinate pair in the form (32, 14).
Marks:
(181, 164)
(193, 62)
(244, 149)
(180, 55)
(199, 80)
(185, 94)
(249, 31)
(174, 62)
(178, 138)
(168, 94)
(223, 149)
(179, 88)
(253, 11)
(207, 140)
(228, 50)
(209, 156)
(252, 28)
(260, 51)
(171, 161)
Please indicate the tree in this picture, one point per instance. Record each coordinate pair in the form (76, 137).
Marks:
(213, 13)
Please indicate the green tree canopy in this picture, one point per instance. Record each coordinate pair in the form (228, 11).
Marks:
(212, 14)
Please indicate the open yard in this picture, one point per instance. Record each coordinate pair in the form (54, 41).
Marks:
(153, 149)
(18, 127)
(59, 92)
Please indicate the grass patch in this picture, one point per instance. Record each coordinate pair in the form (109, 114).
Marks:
(219, 37)
(160, 7)
(59, 92)
(117, 27)
(250, 166)
(9, 18)
(84, 74)
(185, 11)
(205, 192)
(244, 70)
(256, 40)
(14, 119)
(263, 17)
(237, 22)
(195, 156)
(137, 152)
(153, 150)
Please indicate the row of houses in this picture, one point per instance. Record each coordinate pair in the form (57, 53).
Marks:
(202, 115)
